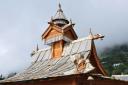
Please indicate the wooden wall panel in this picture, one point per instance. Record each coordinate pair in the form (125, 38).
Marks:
(70, 81)
(52, 33)
(104, 82)
(57, 49)
(69, 35)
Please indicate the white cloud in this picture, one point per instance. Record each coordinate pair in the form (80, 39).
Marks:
(3, 50)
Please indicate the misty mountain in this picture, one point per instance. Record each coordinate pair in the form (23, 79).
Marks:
(115, 59)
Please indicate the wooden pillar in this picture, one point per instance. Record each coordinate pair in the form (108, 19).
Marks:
(57, 49)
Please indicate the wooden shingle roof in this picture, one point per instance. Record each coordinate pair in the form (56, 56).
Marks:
(43, 66)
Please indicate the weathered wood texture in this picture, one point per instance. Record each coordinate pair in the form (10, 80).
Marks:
(69, 35)
(104, 82)
(57, 49)
(69, 81)
(95, 61)
(52, 34)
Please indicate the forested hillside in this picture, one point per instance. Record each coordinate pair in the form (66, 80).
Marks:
(115, 59)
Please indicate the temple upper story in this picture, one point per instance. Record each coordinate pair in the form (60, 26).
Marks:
(59, 32)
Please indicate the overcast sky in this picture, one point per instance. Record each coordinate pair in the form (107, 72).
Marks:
(23, 21)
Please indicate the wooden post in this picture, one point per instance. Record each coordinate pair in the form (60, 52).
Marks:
(57, 49)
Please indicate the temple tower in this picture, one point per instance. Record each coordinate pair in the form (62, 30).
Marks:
(59, 32)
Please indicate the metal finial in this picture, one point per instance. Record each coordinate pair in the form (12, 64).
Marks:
(90, 31)
(37, 48)
(59, 6)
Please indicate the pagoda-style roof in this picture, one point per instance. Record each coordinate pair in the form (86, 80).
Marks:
(59, 14)
(60, 18)
(61, 30)
(74, 54)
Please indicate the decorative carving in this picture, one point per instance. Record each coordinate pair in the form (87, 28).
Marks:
(34, 51)
(80, 64)
(95, 37)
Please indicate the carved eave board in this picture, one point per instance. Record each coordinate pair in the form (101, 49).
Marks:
(95, 61)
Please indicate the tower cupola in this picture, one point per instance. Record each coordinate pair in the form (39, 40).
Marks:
(59, 18)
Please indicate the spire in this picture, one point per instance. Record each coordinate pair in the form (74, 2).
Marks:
(60, 8)
(59, 14)
(90, 32)
(37, 48)
(59, 17)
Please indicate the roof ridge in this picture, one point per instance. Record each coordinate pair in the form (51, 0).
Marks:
(80, 39)
(43, 49)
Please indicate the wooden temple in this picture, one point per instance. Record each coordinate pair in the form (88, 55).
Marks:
(68, 60)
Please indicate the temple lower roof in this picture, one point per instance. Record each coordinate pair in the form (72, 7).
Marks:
(43, 66)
